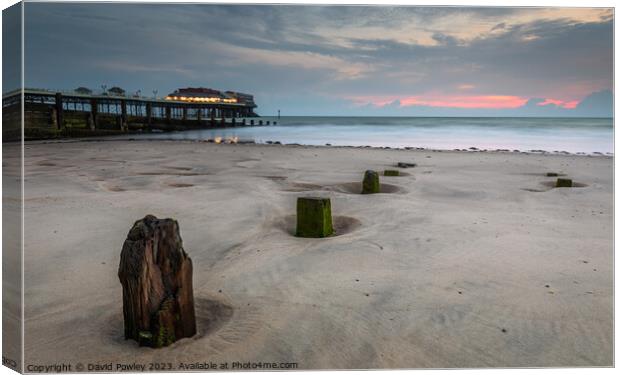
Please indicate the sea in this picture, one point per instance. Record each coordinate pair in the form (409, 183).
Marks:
(572, 135)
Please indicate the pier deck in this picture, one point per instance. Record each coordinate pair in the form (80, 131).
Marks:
(49, 114)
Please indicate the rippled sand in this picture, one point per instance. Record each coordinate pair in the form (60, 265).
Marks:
(469, 260)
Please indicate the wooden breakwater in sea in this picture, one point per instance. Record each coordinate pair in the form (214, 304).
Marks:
(48, 114)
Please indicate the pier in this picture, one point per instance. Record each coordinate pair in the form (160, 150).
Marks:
(80, 113)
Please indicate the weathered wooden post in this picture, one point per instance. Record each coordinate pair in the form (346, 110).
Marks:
(156, 275)
(199, 115)
(184, 114)
(391, 172)
(371, 184)
(168, 114)
(314, 217)
(212, 117)
(59, 114)
(564, 182)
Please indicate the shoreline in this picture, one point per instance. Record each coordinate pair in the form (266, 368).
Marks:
(280, 144)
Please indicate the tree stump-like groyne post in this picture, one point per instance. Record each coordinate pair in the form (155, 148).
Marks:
(156, 275)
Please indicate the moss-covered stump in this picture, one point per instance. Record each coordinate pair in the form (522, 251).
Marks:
(552, 174)
(156, 275)
(391, 172)
(371, 184)
(314, 217)
(564, 182)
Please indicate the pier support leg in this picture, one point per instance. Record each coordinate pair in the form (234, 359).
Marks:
(123, 115)
(93, 112)
(59, 114)
(149, 115)
(168, 114)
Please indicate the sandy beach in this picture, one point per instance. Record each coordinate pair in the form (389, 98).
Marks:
(468, 260)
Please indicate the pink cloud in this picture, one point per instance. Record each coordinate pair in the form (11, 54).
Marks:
(560, 103)
(457, 101)
(571, 104)
(478, 101)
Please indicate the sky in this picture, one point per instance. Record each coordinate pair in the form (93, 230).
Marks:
(335, 60)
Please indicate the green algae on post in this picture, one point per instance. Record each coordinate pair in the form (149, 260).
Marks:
(371, 184)
(314, 217)
(564, 182)
(391, 172)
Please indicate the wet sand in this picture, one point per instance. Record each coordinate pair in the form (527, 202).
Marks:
(469, 260)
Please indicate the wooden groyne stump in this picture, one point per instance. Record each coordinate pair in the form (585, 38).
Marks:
(314, 217)
(406, 165)
(371, 184)
(391, 172)
(156, 275)
(564, 182)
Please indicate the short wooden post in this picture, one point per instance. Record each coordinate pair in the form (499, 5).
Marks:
(314, 217)
(391, 172)
(371, 184)
(564, 182)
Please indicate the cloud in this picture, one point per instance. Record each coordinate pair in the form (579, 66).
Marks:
(313, 54)
(597, 104)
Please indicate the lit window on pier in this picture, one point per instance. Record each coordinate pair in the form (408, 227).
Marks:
(201, 99)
